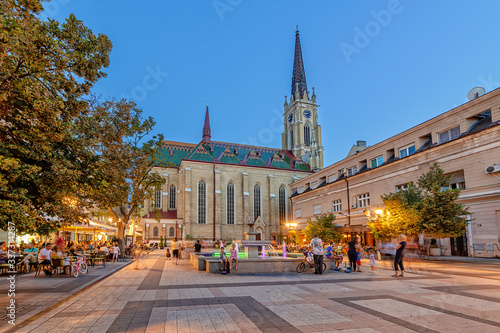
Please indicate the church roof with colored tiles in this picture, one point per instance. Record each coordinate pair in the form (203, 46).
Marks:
(278, 163)
(174, 152)
(253, 159)
(229, 153)
(228, 157)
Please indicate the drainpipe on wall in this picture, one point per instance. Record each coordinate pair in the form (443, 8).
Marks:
(348, 203)
(214, 202)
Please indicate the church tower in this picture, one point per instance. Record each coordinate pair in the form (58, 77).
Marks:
(302, 133)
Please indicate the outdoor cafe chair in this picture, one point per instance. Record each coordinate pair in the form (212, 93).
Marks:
(101, 257)
(41, 267)
(57, 266)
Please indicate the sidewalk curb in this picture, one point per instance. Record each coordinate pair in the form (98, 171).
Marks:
(64, 300)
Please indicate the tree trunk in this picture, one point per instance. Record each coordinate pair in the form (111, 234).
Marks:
(120, 234)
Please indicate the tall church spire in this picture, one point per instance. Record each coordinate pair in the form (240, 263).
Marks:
(206, 128)
(298, 74)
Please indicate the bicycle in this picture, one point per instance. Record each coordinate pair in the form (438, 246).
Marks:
(78, 266)
(306, 265)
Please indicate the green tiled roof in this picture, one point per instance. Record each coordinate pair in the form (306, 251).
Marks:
(228, 157)
(174, 152)
(200, 153)
(279, 163)
(301, 165)
(254, 160)
(221, 152)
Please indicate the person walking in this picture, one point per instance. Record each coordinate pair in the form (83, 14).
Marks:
(176, 245)
(317, 250)
(398, 259)
(352, 253)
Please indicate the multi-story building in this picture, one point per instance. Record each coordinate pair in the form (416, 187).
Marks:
(465, 141)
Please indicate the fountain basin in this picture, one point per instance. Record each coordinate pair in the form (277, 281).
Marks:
(252, 265)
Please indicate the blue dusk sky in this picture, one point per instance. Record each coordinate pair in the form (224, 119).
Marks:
(379, 67)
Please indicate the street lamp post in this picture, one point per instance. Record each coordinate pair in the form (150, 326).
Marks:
(291, 227)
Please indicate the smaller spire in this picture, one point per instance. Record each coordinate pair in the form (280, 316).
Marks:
(206, 128)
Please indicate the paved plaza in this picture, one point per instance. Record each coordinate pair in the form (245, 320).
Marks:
(162, 297)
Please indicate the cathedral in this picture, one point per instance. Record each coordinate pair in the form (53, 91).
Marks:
(216, 189)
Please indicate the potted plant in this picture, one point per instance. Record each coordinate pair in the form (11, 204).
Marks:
(161, 242)
(434, 250)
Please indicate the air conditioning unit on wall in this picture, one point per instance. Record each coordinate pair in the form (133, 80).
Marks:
(492, 168)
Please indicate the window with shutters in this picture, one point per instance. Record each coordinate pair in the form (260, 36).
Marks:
(449, 135)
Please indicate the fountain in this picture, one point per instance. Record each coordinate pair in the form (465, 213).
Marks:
(269, 261)
(251, 244)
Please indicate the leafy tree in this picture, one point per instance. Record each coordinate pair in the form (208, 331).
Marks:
(400, 215)
(441, 215)
(45, 70)
(126, 160)
(427, 207)
(324, 227)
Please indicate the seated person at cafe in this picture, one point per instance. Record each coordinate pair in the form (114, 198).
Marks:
(44, 258)
(72, 250)
(56, 254)
(30, 255)
(3, 253)
(105, 249)
(330, 254)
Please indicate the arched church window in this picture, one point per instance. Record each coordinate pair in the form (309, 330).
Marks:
(307, 135)
(202, 202)
(256, 202)
(171, 232)
(230, 203)
(173, 197)
(291, 139)
(155, 232)
(157, 199)
(281, 204)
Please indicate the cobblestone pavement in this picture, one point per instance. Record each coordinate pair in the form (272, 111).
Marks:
(162, 297)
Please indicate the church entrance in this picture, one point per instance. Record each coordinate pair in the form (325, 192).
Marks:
(259, 235)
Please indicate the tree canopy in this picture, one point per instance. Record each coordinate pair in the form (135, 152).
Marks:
(46, 70)
(429, 207)
(126, 160)
(324, 227)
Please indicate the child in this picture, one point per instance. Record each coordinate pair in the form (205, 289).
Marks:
(234, 256)
(168, 256)
(358, 261)
(224, 267)
(373, 261)
(116, 251)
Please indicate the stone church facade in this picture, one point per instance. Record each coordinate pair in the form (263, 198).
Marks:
(214, 189)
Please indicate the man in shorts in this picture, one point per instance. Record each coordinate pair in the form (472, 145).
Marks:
(176, 246)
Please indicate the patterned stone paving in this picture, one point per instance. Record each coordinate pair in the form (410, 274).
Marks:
(442, 297)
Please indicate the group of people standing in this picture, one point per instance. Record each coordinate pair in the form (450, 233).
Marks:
(353, 254)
